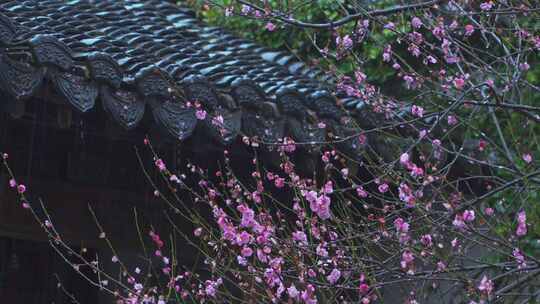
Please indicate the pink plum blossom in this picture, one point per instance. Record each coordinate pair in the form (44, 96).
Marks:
(160, 164)
(482, 144)
(328, 188)
(345, 42)
(416, 22)
(426, 240)
(300, 237)
(363, 288)
(218, 120)
(468, 215)
(390, 26)
(279, 182)
(522, 224)
(200, 114)
(383, 187)
(486, 285)
(321, 251)
(458, 222)
(293, 292)
(401, 225)
(441, 266)
(21, 189)
(486, 6)
(404, 159)
(520, 259)
(406, 259)
(459, 83)
(319, 204)
(246, 9)
(270, 26)
(247, 252)
(524, 66)
(417, 111)
(469, 30)
(360, 77)
(334, 276)
(361, 192)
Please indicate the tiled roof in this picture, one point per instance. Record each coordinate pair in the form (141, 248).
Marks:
(136, 56)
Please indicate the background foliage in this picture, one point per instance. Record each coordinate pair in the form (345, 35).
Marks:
(307, 43)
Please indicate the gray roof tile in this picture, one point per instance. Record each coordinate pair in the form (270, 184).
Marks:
(156, 56)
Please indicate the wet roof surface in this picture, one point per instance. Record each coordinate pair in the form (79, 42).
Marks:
(137, 56)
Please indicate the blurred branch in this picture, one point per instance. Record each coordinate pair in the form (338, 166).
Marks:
(347, 19)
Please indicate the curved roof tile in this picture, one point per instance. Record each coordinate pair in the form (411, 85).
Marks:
(138, 56)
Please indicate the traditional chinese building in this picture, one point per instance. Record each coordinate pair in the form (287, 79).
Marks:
(83, 82)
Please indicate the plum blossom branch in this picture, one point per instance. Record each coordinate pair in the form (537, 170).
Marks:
(347, 19)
